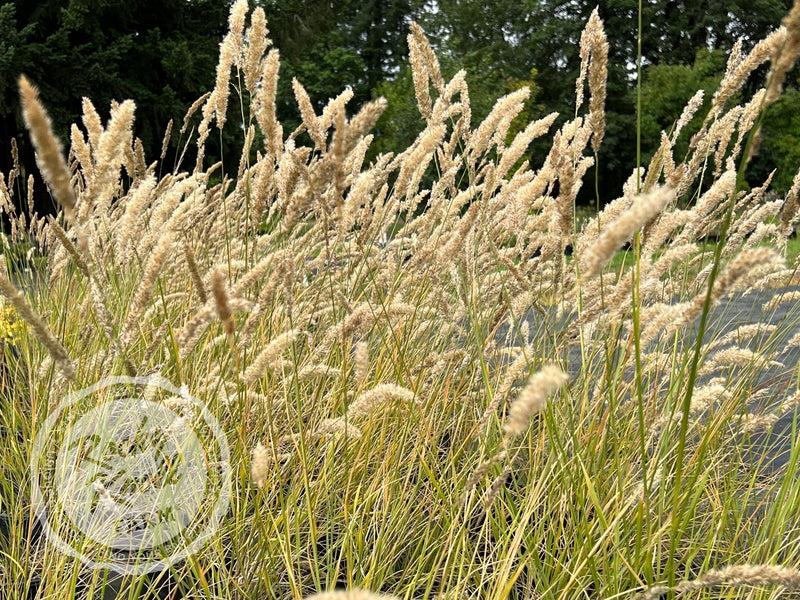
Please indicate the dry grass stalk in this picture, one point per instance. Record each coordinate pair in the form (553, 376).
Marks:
(532, 398)
(259, 466)
(754, 423)
(691, 108)
(268, 293)
(594, 59)
(432, 61)
(734, 356)
(311, 371)
(40, 329)
(219, 289)
(339, 427)
(82, 153)
(726, 126)
(521, 142)
(784, 56)
(779, 299)
(497, 486)
(50, 157)
(63, 237)
(424, 68)
(454, 246)
(194, 273)
(265, 104)
(149, 277)
(481, 470)
(165, 140)
(494, 127)
(744, 270)
(139, 162)
(216, 103)
(749, 115)
(91, 120)
(721, 189)
(15, 169)
(708, 395)
(108, 159)
(310, 120)
(244, 161)
(106, 320)
(733, 576)
(789, 211)
(351, 594)
(194, 328)
(742, 334)
(130, 224)
(193, 109)
(585, 50)
(361, 371)
(257, 43)
(376, 397)
(514, 371)
(363, 121)
(675, 255)
(643, 211)
(229, 54)
(268, 356)
(736, 74)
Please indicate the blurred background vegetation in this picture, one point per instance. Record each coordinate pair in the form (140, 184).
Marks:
(163, 54)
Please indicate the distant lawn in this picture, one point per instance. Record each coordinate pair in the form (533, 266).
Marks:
(792, 250)
(626, 258)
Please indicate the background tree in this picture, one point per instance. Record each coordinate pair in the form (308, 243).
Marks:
(162, 54)
(476, 37)
(666, 90)
(780, 141)
(504, 44)
(329, 46)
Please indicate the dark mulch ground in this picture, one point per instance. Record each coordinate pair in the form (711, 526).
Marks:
(772, 382)
(775, 381)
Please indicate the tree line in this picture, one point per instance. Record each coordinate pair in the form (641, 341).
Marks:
(163, 54)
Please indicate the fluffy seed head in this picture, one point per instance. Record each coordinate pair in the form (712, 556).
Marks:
(785, 55)
(533, 397)
(257, 42)
(268, 356)
(351, 594)
(644, 209)
(48, 148)
(376, 397)
(258, 468)
(594, 59)
(219, 288)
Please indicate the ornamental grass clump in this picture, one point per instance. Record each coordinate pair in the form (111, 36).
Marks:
(423, 394)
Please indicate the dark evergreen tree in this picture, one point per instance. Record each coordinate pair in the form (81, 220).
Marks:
(331, 45)
(160, 53)
(163, 55)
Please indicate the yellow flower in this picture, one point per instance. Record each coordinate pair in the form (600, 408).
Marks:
(11, 327)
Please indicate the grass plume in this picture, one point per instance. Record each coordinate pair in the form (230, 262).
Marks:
(386, 398)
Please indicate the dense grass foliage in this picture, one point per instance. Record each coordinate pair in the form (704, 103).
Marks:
(433, 381)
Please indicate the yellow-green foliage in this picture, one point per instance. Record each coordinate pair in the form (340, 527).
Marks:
(423, 395)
